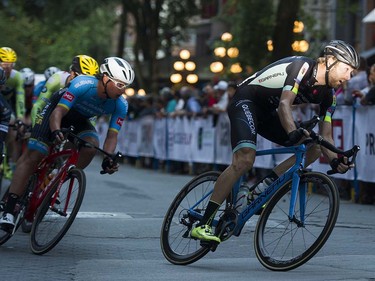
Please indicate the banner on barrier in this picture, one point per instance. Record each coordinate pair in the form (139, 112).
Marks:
(205, 141)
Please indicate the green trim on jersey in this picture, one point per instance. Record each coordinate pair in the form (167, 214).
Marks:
(53, 84)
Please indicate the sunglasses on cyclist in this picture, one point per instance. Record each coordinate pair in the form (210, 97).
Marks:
(119, 85)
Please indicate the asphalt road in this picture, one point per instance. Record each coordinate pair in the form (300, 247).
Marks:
(116, 237)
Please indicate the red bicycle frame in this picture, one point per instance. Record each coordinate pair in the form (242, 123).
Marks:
(38, 194)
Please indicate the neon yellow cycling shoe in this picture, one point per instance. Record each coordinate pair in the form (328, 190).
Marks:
(204, 233)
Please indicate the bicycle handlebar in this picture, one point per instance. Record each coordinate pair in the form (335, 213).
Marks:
(314, 137)
(69, 131)
(310, 124)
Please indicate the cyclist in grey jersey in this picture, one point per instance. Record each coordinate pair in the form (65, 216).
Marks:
(263, 104)
(264, 89)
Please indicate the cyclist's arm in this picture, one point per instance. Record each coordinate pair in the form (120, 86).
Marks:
(110, 142)
(115, 124)
(20, 97)
(285, 111)
(325, 130)
(57, 115)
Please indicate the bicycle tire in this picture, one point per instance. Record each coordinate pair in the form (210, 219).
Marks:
(282, 245)
(1, 178)
(23, 202)
(49, 226)
(4, 235)
(26, 225)
(176, 244)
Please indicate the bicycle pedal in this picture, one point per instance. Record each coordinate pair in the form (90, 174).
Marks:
(57, 211)
(212, 245)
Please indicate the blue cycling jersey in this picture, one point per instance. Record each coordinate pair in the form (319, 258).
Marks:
(82, 96)
(37, 89)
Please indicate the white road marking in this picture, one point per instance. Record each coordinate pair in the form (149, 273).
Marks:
(92, 215)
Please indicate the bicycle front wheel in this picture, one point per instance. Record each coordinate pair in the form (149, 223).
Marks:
(283, 243)
(22, 205)
(176, 244)
(52, 221)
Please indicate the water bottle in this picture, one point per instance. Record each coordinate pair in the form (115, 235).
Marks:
(47, 179)
(241, 201)
(260, 187)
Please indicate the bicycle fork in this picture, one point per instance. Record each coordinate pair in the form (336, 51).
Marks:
(63, 178)
(298, 189)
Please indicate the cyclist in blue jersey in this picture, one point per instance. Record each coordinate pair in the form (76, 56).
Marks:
(85, 97)
(263, 104)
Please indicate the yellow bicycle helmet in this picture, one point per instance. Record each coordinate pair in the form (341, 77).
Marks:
(83, 64)
(7, 55)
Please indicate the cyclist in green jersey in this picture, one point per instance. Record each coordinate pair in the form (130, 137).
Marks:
(14, 93)
(5, 114)
(28, 76)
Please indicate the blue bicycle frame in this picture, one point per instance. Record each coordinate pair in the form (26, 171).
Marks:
(292, 174)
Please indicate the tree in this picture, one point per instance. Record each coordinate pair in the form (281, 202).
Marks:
(283, 36)
(157, 24)
(252, 28)
(45, 33)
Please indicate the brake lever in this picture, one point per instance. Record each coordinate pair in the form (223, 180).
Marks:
(349, 153)
(114, 158)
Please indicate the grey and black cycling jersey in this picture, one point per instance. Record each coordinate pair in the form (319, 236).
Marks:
(253, 107)
(295, 74)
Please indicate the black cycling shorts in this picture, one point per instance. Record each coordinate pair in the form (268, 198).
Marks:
(247, 119)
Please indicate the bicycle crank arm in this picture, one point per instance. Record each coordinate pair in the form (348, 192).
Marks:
(57, 211)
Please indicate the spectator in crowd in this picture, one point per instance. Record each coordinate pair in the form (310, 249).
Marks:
(134, 107)
(170, 100)
(232, 86)
(221, 96)
(147, 105)
(208, 97)
(180, 105)
(193, 107)
(189, 102)
(357, 82)
(367, 95)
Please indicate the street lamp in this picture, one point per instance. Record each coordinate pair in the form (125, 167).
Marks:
(183, 68)
(226, 54)
(300, 46)
(129, 92)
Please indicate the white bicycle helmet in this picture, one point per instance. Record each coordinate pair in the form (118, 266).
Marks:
(118, 69)
(28, 76)
(50, 71)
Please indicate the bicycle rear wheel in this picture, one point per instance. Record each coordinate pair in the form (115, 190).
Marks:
(282, 243)
(52, 222)
(176, 244)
